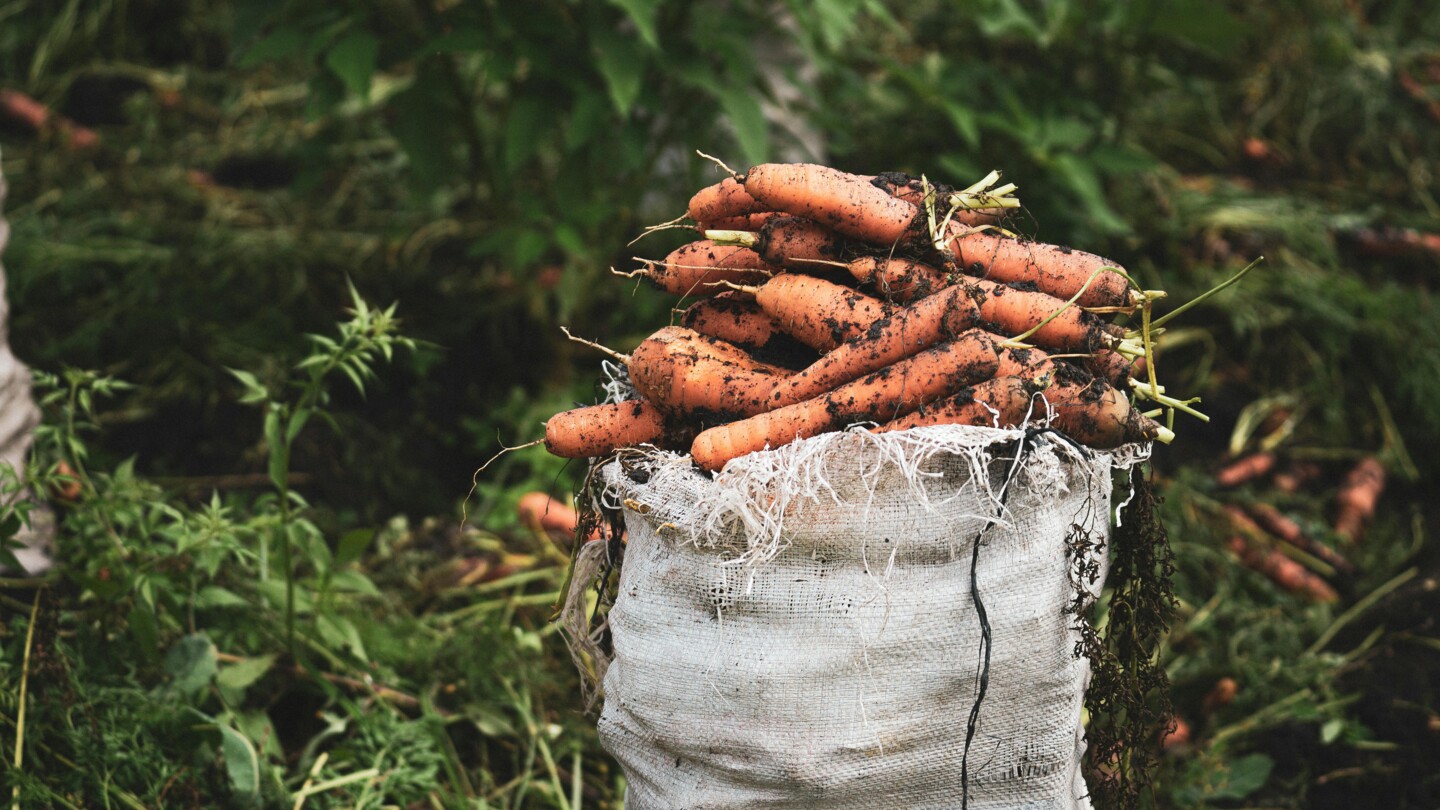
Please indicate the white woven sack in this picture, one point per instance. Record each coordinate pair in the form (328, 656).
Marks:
(800, 631)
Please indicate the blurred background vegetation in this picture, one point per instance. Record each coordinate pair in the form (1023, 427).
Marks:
(254, 606)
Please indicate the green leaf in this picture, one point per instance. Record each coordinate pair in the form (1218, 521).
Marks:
(1085, 183)
(460, 40)
(191, 663)
(297, 424)
(214, 596)
(353, 61)
(525, 128)
(352, 545)
(242, 765)
(1331, 730)
(280, 43)
(623, 67)
(354, 582)
(276, 447)
(742, 110)
(642, 13)
(243, 673)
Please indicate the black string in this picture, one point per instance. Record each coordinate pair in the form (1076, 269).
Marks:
(985, 639)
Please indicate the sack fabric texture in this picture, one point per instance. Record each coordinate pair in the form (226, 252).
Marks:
(809, 628)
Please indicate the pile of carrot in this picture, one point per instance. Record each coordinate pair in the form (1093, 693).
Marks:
(821, 299)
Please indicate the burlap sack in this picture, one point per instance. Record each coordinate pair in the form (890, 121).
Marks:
(801, 630)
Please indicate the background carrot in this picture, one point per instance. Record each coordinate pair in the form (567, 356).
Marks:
(1245, 469)
(1358, 496)
(1283, 571)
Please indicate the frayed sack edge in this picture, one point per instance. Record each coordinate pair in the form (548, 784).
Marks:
(742, 509)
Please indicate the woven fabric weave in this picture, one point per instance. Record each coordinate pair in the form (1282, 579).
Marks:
(800, 632)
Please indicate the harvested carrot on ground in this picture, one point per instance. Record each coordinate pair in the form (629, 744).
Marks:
(1053, 269)
(599, 430)
(1276, 523)
(1283, 571)
(844, 202)
(541, 512)
(879, 397)
(787, 241)
(727, 198)
(683, 371)
(1358, 496)
(1245, 469)
(699, 269)
(1223, 693)
(820, 314)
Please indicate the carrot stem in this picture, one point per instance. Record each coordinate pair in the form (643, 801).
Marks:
(737, 238)
(1208, 293)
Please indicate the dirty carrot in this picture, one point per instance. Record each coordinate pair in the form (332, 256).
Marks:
(699, 267)
(727, 198)
(599, 430)
(683, 371)
(741, 222)
(897, 279)
(787, 241)
(879, 397)
(1357, 497)
(1053, 269)
(820, 314)
(998, 402)
(844, 202)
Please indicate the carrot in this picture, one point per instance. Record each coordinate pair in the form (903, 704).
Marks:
(599, 430)
(1277, 524)
(1357, 497)
(897, 279)
(1053, 269)
(889, 340)
(740, 222)
(798, 242)
(1176, 736)
(699, 267)
(545, 514)
(736, 318)
(1283, 571)
(882, 396)
(1088, 410)
(912, 190)
(1014, 312)
(683, 371)
(1296, 475)
(844, 202)
(1245, 469)
(820, 314)
(998, 402)
(1223, 693)
(36, 117)
(727, 198)
(1114, 367)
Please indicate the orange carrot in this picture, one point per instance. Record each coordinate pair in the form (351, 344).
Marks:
(1175, 736)
(905, 332)
(727, 198)
(998, 402)
(742, 222)
(1014, 312)
(844, 202)
(36, 117)
(699, 267)
(882, 396)
(1053, 269)
(599, 430)
(1358, 496)
(1115, 368)
(798, 242)
(733, 317)
(820, 314)
(1283, 571)
(543, 513)
(1245, 469)
(1277, 524)
(1222, 693)
(1296, 475)
(683, 371)
(897, 279)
